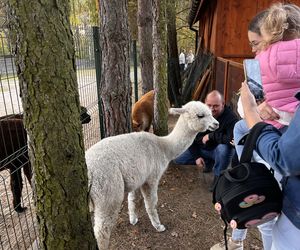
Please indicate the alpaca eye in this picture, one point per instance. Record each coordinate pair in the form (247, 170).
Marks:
(200, 116)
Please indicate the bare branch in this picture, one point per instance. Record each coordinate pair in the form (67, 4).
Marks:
(183, 10)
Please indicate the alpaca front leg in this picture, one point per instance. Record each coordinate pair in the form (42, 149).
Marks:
(149, 193)
(133, 218)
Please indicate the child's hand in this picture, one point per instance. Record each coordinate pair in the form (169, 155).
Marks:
(266, 112)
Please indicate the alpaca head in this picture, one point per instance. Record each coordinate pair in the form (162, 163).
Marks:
(197, 116)
(136, 127)
(84, 116)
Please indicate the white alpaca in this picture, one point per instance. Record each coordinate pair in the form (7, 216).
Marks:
(127, 162)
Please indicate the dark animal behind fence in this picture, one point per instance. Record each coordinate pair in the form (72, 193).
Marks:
(84, 116)
(14, 153)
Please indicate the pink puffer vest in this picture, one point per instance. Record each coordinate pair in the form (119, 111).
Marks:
(280, 70)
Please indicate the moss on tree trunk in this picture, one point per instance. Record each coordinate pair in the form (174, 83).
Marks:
(45, 61)
(160, 125)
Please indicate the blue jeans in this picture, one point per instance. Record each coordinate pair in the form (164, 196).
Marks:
(265, 230)
(221, 155)
(285, 234)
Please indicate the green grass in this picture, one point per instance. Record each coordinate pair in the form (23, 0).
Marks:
(6, 81)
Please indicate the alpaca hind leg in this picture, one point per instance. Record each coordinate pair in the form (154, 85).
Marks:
(107, 204)
(28, 172)
(149, 193)
(104, 222)
(133, 218)
(16, 184)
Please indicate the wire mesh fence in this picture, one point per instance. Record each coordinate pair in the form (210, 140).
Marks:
(87, 84)
(18, 227)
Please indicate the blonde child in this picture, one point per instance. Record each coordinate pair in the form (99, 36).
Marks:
(280, 31)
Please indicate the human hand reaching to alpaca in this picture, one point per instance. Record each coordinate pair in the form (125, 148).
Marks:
(205, 139)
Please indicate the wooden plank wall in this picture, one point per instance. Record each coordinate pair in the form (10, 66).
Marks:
(228, 38)
(232, 25)
(223, 31)
(228, 77)
(220, 73)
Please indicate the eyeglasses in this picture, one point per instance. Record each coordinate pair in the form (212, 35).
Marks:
(216, 106)
(254, 44)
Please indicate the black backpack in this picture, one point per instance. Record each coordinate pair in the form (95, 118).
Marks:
(247, 194)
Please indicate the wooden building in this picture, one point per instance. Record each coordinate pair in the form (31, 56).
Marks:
(222, 30)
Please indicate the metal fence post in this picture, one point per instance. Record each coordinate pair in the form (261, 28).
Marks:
(134, 55)
(97, 54)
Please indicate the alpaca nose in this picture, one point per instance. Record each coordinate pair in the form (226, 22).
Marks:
(216, 125)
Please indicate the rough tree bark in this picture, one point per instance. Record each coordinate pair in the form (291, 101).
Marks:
(46, 70)
(145, 41)
(160, 124)
(174, 78)
(115, 82)
(132, 19)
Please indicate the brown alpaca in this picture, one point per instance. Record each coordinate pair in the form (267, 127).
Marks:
(142, 112)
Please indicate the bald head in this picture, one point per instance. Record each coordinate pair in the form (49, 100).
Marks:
(215, 101)
(215, 94)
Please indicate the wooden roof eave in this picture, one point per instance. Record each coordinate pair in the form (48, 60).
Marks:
(195, 10)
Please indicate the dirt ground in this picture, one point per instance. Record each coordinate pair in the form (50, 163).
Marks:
(185, 208)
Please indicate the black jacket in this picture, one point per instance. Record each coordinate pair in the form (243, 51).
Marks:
(223, 135)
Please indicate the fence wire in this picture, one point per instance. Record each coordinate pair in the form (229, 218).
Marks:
(18, 230)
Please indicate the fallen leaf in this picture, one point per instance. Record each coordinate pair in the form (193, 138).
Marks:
(174, 234)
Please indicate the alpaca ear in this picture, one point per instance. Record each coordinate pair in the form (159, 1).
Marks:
(177, 111)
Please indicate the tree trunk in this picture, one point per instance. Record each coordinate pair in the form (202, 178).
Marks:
(160, 124)
(115, 82)
(145, 41)
(45, 61)
(132, 19)
(174, 78)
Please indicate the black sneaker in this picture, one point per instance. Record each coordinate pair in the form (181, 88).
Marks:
(207, 169)
(211, 188)
(209, 165)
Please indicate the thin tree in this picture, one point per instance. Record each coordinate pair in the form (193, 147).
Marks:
(160, 124)
(115, 86)
(45, 61)
(145, 41)
(174, 78)
(132, 19)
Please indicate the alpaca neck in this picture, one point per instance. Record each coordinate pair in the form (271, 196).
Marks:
(179, 139)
